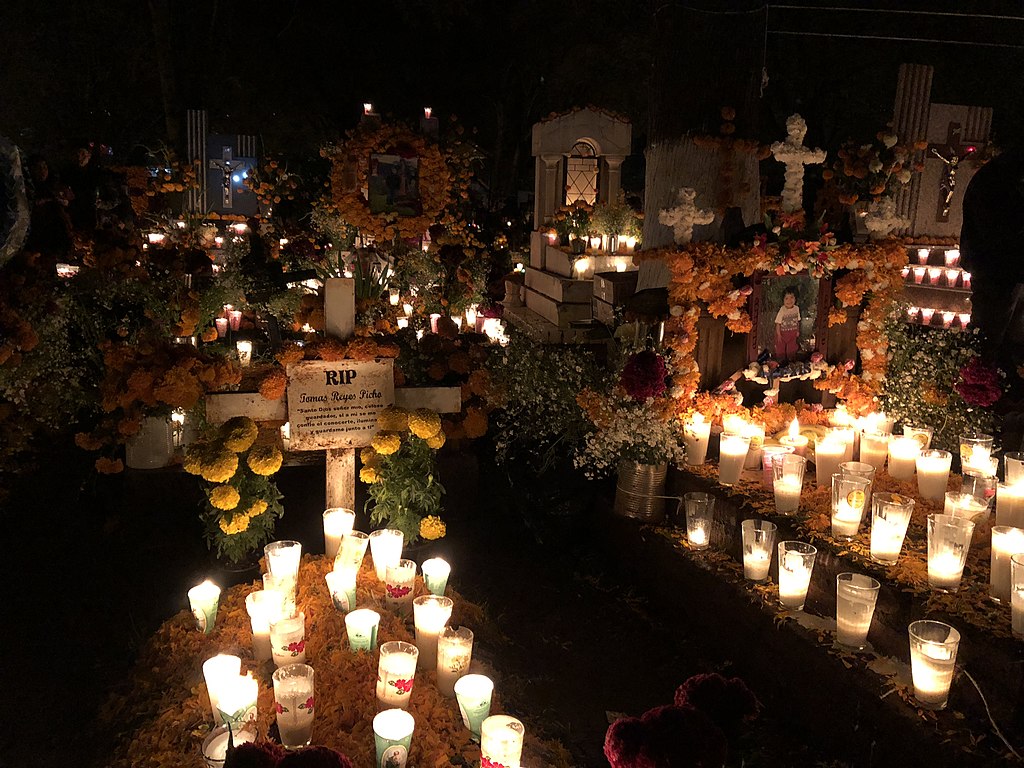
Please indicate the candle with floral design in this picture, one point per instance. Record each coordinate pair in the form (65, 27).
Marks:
(294, 704)
(288, 640)
(396, 673)
(398, 586)
(430, 614)
(218, 671)
(473, 694)
(501, 742)
(338, 522)
(203, 599)
(263, 606)
(392, 735)
(696, 434)
(454, 654)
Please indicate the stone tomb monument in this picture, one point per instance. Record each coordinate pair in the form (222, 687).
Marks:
(578, 157)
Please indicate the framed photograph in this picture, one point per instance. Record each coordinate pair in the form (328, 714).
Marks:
(790, 317)
(393, 185)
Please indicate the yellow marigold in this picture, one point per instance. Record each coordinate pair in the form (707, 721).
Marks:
(193, 462)
(385, 443)
(393, 419)
(437, 440)
(424, 423)
(265, 459)
(368, 475)
(218, 465)
(368, 456)
(431, 527)
(237, 524)
(224, 497)
(258, 508)
(239, 433)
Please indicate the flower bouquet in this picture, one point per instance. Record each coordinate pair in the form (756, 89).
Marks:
(872, 170)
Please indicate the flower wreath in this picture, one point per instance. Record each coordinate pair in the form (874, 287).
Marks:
(703, 279)
(434, 171)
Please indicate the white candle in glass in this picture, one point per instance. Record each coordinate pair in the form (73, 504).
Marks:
(430, 614)
(847, 436)
(756, 434)
(933, 474)
(856, 596)
(218, 672)
(923, 435)
(403, 322)
(696, 433)
(963, 505)
(829, 453)
(975, 451)
(501, 741)
(396, 673)
(338, 521)
(788, 481)
(263, 606)
(399, 582)
(352, 551)
(874, 447)
(768, 454)
(903, 453)
(849, 499)
(1014, 466)
(732, 453)
(385, 549)
(758, 542)
(435, 575)
(1010, 505)
(288, 640)
(361, 626)
(203, 599)
(890, 516)
(734, 423)
(454, 654)
(948, 540)
(244, 349)
(393, 731)
(236, 700)
(341, 583)
(933, 647)
(794, 439)
(796, 562)
(1017, 595)
(283, 558)
(1006, 542)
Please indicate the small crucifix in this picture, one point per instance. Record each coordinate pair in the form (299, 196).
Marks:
(952, 153)
(225, 165)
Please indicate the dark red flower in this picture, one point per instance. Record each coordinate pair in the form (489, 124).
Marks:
(402, 686)
(486, 762)
(729, 702)
(644, 375)
(263, 754)
(315, 757)
(979, 384)
(397, 592)
(297, 647)
(308, 705)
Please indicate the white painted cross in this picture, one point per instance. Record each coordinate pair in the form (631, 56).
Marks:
(346, 424)
(685, 215)
(794, 155)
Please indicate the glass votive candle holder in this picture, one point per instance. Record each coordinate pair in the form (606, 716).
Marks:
(435, 575)
(913, 313)
(454, 654)
(396, 673)
(215, 745)
(392, 735)
(796, 562)
(294, 704)
(975, 450)
(903, 453)
(288, 640)
(934, 274)
(905, 272)
(758, 543)
(263, 607)
(237, 701)
(768, 454)
(351, 551)
(919, 274)
(284, 587)
(283, 558)
(966, 277)
(788, 481)
(244, 349)
(756, 434)
(696, 434)
(952, 277)
(965, 505)
(980, 485)
(732, 453)
(1006, 542)
(361, 627)
(890, 516)
(203, 599)
(337, 522)
(874, 447)
(964, 318)
(829, 453)
(933, 474)
(430, 614)
(342, 586)
(501, 742)
(473, 694)
(927, 313)
(933, 647)
(700, 512)
(951, 257)
(1013, 467)
(949, 538)
(856, 596)
(923, 435)
(922, 255)
(385, 549)
(1017, 595)
(235, 319)
(399, 582)
(849, 500)
(860, 469)
(1010, 505)
(221, 324)
(219, 672)
(403, 322)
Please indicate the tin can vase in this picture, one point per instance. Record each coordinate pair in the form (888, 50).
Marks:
(640, 491)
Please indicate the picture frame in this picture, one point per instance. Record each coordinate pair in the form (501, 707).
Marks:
(813, 297)
(393, 185)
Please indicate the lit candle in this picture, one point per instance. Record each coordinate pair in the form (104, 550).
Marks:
(458, 321)
(1014, 467)
(430, 614)
(203, 599)
(403, 322)
(361, 627)
(919, 274)
(976, 451)
(342, 586)
(471, 317)
(948, 540)
(734, 423)
(244, 349)
(788, 481)
(473, 694)
(215, 745)
(399, 580)
(433, 322)
(1006, 542)
(288, 640)
(922, 255)
(952, 275)
(1017, 595)
(435, 575)
(934, 273)
(392, 735)
(796, 561)
(952, 257)
(236, 701)
(1010, 505)
(263, 606)
(394, 297)
(829, 453)
(758, 541)
(218, 672)
(385, 549)
(235, 319)
(501, 741)
(903, 453)
(407, 308)
(768, 454)
(221, 323)
(283, 559)
(933, 474)
(396, 673)
(351, 552)
(427, 112)
(933, 647)
(966, 276)
(849, 498)
(454, 654)
(337, 522)
(874, 447)
(731, 456)
(890, 516)
(856, 596)
(700, 509)
(294, 696)
(696, 434)
(965, 505)
(923, 435)
(756, 434)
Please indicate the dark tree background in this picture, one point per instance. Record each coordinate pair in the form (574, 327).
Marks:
(296, 72)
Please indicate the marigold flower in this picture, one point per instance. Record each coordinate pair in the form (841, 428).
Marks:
(258, 508)
(274, 384)
(369, 475)
(107, 466)
(239, 433)
(385, 443)
(209, 334)
(437, 441)
(424, 423)
(224, 497)
(432, 527)
(236, 524)
(265, 459)
(87, 442)
(368, 456)
(393, 419)
(218, 465)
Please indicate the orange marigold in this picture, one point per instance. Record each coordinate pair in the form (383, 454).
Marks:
(274, 384)
(108, 466)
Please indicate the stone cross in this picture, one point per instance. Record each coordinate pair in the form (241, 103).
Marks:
(685, 215)
(794, 155)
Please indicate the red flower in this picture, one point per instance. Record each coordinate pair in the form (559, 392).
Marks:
(297, 647)
(402, 686)
(486, 762)
(644, 375)
(397, 592)
(280, 708)
(979, 384)
(308, 705)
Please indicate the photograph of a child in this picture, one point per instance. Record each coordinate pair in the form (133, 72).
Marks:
(394, 185)
(788, 317)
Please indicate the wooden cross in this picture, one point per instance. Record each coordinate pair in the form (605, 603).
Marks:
(226, 164)
(952, 153)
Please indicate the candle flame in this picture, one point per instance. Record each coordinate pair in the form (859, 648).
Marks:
(794, 428)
